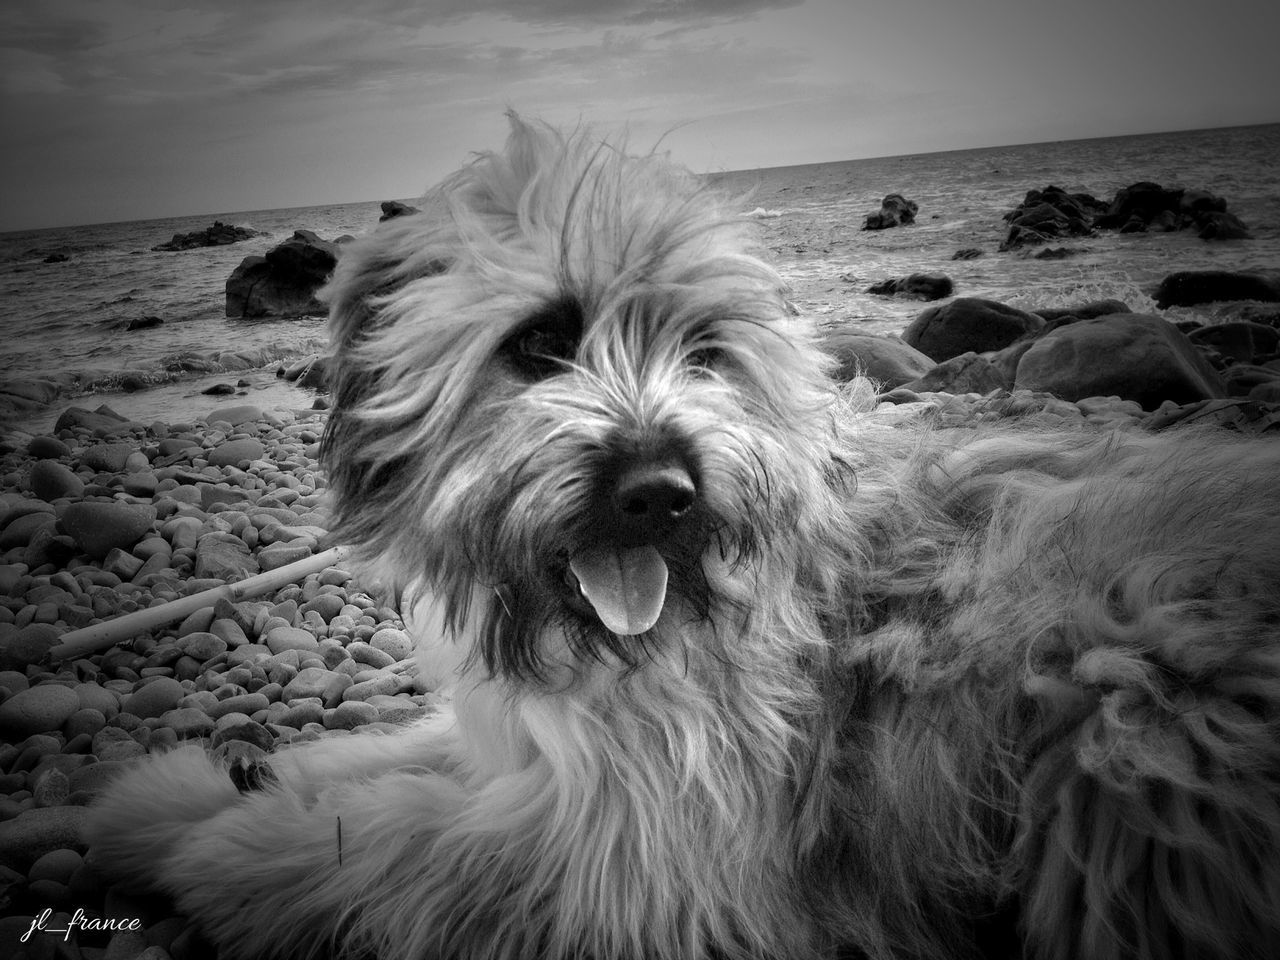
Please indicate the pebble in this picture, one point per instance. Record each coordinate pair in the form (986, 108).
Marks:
(100, 527)
(48, 447)
(187, 722)
(39, 708)
(290, 638)
(395, 643)
(233, 452)
(106, 457)
(50, 480)
(33, 833)
(154, 698)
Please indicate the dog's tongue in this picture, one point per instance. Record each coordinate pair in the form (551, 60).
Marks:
(626, 587)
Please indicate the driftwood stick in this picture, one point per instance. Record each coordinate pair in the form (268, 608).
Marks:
(98, 636)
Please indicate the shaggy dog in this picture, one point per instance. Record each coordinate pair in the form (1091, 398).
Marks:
(741, 665)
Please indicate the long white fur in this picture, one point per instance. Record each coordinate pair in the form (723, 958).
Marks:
(931, 674)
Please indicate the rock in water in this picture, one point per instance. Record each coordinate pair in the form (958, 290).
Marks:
(284, 282)
(895, 211)
(220, 234)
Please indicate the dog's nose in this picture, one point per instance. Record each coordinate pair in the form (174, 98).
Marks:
(651, 499)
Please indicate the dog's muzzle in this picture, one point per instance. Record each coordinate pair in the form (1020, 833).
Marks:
(624, 578)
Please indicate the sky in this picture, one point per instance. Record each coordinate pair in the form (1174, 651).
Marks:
(135, 109)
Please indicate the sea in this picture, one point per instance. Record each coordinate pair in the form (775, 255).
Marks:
(68, 320)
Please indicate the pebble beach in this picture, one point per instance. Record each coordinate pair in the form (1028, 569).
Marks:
(103, 517)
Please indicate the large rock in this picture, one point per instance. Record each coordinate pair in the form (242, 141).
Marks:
(1050, 214)
(886, 360)
(895, 211)
(220, 234)
(284, 282)
(968, 324)
(394, 208)
(1187, 288)
(916, 286)
(1133, 356)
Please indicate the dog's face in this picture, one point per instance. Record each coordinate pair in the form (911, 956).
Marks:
(566, 395)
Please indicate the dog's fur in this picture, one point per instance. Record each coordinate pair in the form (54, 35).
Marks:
(913, 692)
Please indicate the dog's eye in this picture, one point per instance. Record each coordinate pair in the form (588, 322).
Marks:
(706, 358)
(545, 342)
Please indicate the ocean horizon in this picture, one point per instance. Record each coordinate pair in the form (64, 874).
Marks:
(67, 321)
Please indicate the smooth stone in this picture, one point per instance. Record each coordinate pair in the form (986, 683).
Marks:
(154, 698)
(233, 452)
(106, 457)
(100, 527)
(46, 447)
(37, 709)
(91, 696)
(224, 556)
(50, 480)
(350, 714)
(246, 703)
(237, 726)
(235, 415)
(187, 722)
(32, 834)
(279, 639)
(395, 643)
(282, 554)
(316, 682)
(362, 652)
(20, 531)
(201, 645)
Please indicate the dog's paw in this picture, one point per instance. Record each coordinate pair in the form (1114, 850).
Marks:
(143, 816)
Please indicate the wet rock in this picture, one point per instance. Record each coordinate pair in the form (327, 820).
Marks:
(285, 281)
(220, 234)
(968, 324)
(1190, 287)
(917, 286)
(1133, 356)
(394, 208)
(895, 211)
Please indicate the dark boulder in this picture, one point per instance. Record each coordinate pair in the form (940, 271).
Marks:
(968, 324)
(394, 208)
(219, 235)
(1221, 226)
(1190, 287)
(917, 286)
(895, 211)
(1143, 202)
(1133, 356)
(1050, 214)
(284, 282)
